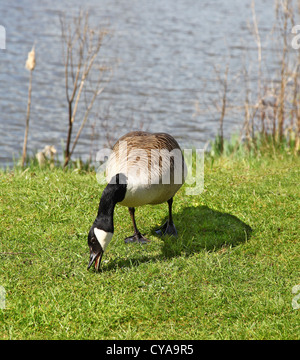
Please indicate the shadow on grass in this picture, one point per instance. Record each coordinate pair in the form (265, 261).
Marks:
(199, 228)
(204, 228)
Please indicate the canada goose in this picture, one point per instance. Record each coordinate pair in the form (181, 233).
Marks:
(143, 168)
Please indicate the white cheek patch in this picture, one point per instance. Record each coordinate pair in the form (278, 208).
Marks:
(103, 237)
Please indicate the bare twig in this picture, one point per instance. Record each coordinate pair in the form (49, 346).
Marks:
(81, 47)
(258, 43)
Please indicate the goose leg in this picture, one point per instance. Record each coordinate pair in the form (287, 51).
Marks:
(168, 228)
(137, 236)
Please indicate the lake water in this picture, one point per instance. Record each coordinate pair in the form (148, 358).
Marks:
(164, 56)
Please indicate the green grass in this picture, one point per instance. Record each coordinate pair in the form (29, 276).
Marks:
(229, 274)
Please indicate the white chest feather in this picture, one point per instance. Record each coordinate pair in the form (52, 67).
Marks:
(138, 195)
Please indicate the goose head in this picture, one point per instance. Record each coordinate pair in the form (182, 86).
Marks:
(98, 240)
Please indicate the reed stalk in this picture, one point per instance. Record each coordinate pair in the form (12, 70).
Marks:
(30, 65)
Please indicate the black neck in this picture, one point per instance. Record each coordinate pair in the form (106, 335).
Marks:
(112, 194)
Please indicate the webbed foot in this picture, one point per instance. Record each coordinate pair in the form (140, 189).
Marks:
(167, 229)
(137, 238)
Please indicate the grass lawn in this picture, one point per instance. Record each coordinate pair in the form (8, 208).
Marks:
(229, 274)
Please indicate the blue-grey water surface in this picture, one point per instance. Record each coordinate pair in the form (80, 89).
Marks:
(164, 56)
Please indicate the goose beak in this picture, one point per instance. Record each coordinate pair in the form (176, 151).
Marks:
(95, 256)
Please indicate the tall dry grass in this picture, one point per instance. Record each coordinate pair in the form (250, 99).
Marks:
(272, 115)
